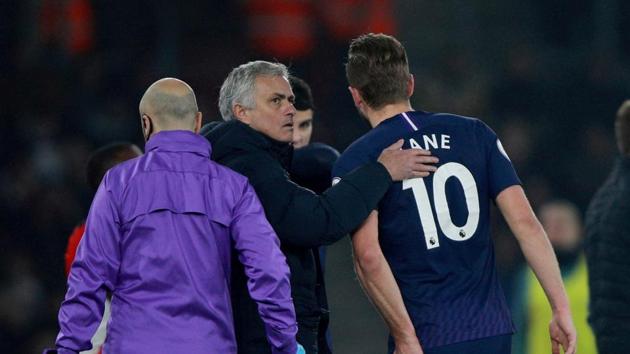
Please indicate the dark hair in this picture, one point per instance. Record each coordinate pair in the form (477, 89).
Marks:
(302, 92)
(377, 66)
(622, 128)
(107, 157)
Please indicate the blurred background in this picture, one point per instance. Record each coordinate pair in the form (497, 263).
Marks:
(547, 76)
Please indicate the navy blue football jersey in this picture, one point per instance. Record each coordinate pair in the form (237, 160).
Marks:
(435, 231)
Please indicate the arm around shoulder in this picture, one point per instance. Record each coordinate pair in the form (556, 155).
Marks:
(327, 217)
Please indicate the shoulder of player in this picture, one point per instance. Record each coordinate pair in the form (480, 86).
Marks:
(364, 144)
(469, 124)
(355, 154)
(450, 118)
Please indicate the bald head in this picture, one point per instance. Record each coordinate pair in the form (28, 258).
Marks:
(622, 129)
(169, 104)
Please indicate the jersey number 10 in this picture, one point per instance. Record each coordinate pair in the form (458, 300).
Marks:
(423, 204)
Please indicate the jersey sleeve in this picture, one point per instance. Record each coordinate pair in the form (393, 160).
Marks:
(350, 160)
(501, 172)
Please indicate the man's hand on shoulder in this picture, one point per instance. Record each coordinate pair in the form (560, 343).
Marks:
(409, 163)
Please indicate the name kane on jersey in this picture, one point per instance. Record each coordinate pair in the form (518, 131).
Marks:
(441, 141)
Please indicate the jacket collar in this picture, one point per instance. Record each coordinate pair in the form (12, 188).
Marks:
(178, 141)
(237, 136)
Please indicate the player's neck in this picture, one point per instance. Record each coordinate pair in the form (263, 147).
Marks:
(377, 116)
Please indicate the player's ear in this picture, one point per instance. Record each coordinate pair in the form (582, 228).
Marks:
(198, 119)
(356, 96)
(410, 85)
(241, 113)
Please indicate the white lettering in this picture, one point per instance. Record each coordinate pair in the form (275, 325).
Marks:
(414, 144)
(446, 140)
(430, 141)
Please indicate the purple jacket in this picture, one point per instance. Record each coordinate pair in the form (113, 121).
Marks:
(159, 237)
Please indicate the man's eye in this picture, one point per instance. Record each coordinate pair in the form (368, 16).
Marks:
(276, 100)
(305, 125)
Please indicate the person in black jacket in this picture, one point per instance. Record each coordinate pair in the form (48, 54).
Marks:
(311, 167)
(256, 102)
(608, 248)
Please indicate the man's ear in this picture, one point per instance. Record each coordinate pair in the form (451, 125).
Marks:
(146, 124)
(241, 113)
(411, 84)
(198, 120)
(356, 96)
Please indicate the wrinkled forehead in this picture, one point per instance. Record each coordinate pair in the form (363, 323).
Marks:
(272, 84)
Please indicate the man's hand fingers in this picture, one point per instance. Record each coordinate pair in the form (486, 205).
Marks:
(555, 347)
(422, 152)
(420, 174)
(572, 347)
(397, 145)
(424, 167)
(427, 160)
(418, 152)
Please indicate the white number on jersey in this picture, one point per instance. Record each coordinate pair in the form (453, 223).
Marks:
(423, 204)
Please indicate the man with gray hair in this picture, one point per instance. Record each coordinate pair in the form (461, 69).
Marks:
(159, 237)
(256, 101)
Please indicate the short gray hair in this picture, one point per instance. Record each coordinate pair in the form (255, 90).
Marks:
(239, 86)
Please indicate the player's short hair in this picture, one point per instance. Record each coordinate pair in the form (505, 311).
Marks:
(239, 86)
(107, 157)
(622, 128)
(302, 92)
(378, 68)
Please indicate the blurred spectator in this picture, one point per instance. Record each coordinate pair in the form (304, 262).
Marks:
(281, 29)
(101, 160)
(562, 221)
(304, 111)
(607, 248)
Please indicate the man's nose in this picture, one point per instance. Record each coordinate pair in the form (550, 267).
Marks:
(291, 109)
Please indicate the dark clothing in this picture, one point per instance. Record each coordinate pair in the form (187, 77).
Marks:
(444, 265)
(495, 345)
(607, 249)
(312, 166)
(302, 219)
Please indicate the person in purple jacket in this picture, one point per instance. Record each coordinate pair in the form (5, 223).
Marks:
(159, 236)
